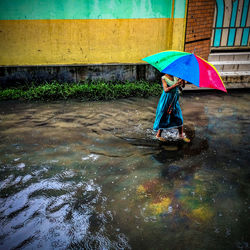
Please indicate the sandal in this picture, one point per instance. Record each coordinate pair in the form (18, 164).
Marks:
(185, 139)
(160, 138)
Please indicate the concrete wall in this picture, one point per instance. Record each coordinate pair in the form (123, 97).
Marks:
(18, 75)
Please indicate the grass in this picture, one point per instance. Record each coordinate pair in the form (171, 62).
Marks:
(82, 91)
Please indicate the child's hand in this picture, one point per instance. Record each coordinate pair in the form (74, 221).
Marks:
(179, 82)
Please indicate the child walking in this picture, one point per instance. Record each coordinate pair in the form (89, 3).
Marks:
(168, 113)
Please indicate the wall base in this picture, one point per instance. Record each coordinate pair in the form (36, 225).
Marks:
(68, 73)
(16, 75)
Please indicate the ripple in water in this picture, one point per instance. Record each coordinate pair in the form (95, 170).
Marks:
(57, 213)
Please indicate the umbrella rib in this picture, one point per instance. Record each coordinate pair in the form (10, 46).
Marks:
(213, 68)
(179, 75)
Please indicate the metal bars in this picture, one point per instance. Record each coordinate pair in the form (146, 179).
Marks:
(231, 24)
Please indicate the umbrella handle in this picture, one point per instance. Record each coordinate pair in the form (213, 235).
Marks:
(170, 111)
(170, 108)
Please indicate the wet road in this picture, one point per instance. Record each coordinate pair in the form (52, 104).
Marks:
(91, 175)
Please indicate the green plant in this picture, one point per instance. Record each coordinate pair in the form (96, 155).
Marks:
(99, 90)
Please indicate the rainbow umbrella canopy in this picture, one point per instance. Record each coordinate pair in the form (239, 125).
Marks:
(187, 66)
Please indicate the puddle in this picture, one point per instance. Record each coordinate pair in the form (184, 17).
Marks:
(92, 176)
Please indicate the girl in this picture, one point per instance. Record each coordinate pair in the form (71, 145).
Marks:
(168, 113)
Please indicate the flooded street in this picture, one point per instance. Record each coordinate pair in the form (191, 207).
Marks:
(90, 175)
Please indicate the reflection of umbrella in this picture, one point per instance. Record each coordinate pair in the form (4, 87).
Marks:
(187, 66)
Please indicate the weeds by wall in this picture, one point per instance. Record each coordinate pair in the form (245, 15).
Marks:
(81, 91)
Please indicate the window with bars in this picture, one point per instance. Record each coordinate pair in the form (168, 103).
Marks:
(231, 24)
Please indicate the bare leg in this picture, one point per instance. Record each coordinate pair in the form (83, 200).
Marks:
(180, 129)
(159, 133)
(185, 139)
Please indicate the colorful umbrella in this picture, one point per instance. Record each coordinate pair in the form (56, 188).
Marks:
(187, 66)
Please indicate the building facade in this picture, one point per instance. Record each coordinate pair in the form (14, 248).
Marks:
(93, 39)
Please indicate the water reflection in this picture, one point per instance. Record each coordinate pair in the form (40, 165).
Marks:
(92, 176)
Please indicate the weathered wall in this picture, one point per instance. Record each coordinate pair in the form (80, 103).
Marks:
(66, 32)
(13, 75)
(200, 16)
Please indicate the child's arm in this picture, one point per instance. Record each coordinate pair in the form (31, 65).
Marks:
(165, 85)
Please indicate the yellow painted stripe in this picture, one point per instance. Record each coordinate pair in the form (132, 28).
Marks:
(50, 42)
(178, 40)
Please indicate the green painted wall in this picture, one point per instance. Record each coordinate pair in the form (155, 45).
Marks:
(179, 8)
(89, 9)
